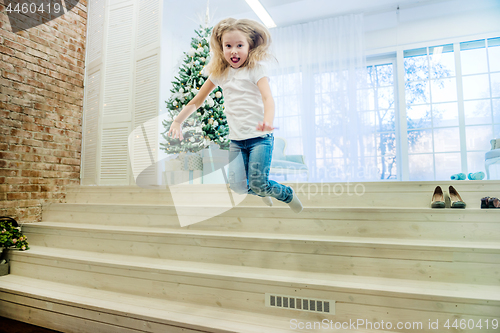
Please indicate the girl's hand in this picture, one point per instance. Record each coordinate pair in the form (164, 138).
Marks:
(265, 127)
(175, 131)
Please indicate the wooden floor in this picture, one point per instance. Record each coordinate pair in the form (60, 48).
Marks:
(13, 326)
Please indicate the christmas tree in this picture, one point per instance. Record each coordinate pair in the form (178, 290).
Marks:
(209, 123)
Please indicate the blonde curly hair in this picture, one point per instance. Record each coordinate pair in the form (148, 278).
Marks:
(258, 37)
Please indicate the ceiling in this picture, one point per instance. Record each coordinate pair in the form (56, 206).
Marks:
(289, 12)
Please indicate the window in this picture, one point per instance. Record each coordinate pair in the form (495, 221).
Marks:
(451, 109)
(480, 65)
(452, 106)
(286, 91)
(381, 108)
(376, 107)
(329, 100)
(432, 113)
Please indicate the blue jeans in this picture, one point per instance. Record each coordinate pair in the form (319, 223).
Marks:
(249, 164)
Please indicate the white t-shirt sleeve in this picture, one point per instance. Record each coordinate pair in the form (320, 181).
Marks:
(258, 73)
(214, 81)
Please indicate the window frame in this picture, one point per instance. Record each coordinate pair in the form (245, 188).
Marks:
(386, 59)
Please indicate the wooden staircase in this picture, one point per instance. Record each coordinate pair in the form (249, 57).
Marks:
(115, 259)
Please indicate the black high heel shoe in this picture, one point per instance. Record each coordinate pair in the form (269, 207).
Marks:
(493, 203)
(485, 202)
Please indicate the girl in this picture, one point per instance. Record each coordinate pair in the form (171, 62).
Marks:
(238, 46)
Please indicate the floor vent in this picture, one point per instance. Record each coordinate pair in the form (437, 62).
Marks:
(300, 303)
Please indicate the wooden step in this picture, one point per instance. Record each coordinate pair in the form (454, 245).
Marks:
(243, 288)
(426, 260)
(71, 308)
(408, 223)
(359, 194)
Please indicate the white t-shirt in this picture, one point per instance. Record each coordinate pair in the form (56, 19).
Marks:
(243, 104)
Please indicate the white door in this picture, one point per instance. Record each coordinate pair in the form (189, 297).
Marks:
(121, 88)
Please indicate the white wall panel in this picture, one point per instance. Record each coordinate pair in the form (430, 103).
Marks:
(148, 30)
(123, 55)
(146, 107)
(114, 157)
(96, 30)
(90, 129)
(119, 61)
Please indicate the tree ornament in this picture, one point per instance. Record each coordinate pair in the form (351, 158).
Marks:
(210, 102)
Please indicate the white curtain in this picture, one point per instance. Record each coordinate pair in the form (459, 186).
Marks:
(318, 86)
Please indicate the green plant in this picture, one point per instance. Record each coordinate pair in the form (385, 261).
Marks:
(11, 236)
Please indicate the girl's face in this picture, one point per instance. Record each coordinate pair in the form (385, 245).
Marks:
(235, 47)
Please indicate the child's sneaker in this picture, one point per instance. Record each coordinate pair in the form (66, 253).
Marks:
(268, 201)
(295, 204)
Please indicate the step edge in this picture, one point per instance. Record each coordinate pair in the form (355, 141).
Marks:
(251, 236)
(284, 278)
(285, 208)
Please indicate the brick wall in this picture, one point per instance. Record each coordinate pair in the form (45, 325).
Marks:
(41, 102)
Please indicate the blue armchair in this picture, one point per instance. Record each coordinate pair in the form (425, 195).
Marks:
(492, 156)
(286, 164)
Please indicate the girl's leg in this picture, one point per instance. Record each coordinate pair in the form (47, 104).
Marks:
(238, 167)
(259, 163)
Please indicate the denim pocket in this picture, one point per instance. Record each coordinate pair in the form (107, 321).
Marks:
(264, 137)
(267, 138)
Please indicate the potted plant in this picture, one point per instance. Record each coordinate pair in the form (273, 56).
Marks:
(10, 237)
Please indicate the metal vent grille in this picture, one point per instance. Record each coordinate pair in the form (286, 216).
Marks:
(299, 303)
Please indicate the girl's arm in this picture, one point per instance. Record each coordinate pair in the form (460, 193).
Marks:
(175, 129)
(267, 99)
